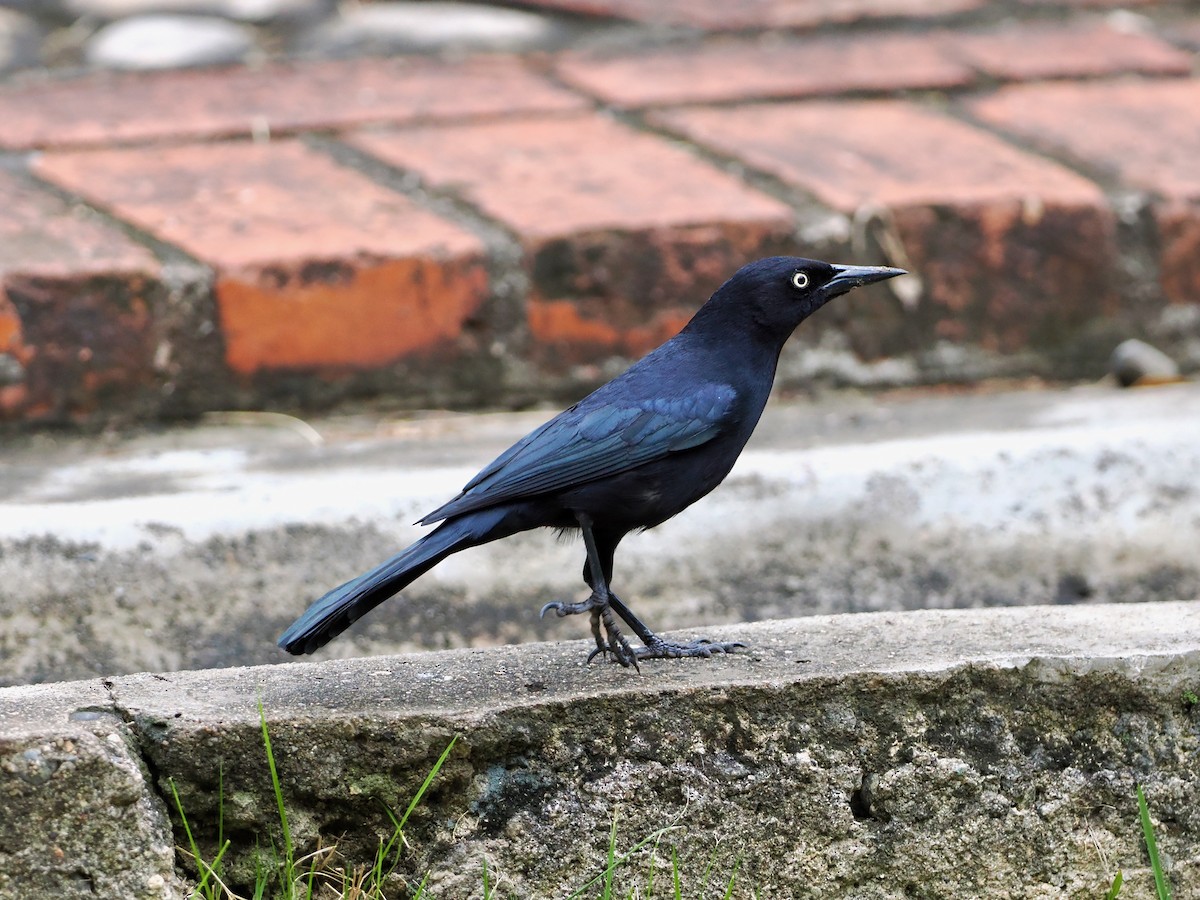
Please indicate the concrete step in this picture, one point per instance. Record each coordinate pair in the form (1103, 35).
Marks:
(940, 753)
(194, 547)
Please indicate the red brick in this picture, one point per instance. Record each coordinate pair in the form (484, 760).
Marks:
(1147, 133)
(110, 109)
(1012, 249)
(317, 266)
(766, 67)
(1179, 236)
(880, 152)
(726, 15)
(79, 308)
(550, 178)
(624, 233)
(1028, 52)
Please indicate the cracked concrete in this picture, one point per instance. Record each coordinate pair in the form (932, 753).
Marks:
(82, 814)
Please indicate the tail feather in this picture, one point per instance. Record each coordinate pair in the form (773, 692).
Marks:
(332, 614)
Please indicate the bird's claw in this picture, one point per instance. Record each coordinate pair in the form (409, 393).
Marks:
(608, 640)
(616, 644)
(622, 652)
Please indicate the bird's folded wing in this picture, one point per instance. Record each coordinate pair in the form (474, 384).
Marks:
(591, 441)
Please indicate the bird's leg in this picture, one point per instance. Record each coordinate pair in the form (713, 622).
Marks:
(597, 604)
(657, 648)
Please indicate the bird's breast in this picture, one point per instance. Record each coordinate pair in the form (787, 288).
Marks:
(649, 495)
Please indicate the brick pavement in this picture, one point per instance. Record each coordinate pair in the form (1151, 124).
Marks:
(303, 249)
(287, 234)
(620, 230)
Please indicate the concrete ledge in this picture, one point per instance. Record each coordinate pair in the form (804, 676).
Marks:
(933, 754)
(194, 548)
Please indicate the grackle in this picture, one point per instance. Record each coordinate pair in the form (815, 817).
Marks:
(629, 456)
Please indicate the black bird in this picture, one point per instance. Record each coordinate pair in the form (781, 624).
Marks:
(629, 456)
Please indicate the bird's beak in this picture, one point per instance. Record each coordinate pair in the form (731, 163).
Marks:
(846, 278)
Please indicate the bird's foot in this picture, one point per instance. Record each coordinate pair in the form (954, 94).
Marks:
(591, 604)
(611, 640)
(657, 648)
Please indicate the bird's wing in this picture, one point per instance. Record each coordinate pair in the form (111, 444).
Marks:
(595, 440)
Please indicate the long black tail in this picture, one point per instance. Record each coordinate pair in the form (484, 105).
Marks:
(337, 610)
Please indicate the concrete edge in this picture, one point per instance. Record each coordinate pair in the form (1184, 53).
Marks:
(109, 746)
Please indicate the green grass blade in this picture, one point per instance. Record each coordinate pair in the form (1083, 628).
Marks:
(221, 842)
(288, 848)
(216, 863)
(675, 875)
(610, 863)
(202, 887)
(390, 850)
(312, 875)
(732, 878)
(1161, 886)
(382, 855)
(653, 860)
(1116, 887)
(261, 878)
(437, 766)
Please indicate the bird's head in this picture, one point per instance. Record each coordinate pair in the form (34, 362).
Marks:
(780, 292)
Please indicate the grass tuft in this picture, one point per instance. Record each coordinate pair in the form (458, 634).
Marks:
(301, 878)
(282, 875)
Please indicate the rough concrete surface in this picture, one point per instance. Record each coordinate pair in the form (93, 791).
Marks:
(79, 813)
(931, 754)
(194, 547)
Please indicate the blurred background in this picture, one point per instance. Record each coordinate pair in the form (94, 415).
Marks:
(278, 276)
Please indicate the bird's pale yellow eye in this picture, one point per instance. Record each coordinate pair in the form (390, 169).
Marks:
(800, 280)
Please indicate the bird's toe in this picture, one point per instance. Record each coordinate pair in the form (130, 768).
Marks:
(593, 603)
(702, 648)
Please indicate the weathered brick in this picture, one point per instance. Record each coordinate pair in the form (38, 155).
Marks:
(80, 311)
(624, 233)
(1013, 250)
(745, 14)
(883, 152)
(317, 266)
(1179, 237)
(1145, 133)
(766, 67)
(1027, 52)
(100, 110)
